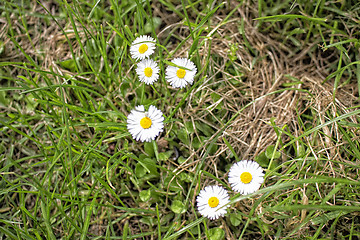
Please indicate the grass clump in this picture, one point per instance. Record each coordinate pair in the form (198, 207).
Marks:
(277, 82)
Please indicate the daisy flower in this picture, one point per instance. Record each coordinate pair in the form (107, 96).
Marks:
(211, 200)
(145, 126)
(246, 176)
(148, 71)
(181, 75)
(142, 47)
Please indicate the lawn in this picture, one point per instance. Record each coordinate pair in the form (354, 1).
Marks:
(274, 82)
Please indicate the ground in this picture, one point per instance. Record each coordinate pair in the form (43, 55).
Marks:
(277, 82)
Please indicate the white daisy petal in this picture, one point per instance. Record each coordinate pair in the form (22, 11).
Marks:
(246, 176)
(148, 71)
(142, 47)
(182, 75)
(145, 126)
(211, 200)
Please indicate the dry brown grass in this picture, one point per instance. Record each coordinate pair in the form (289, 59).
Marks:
(250, 133)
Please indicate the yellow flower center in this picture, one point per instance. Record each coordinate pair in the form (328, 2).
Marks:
(145, 122)
(148, 72)
(143, 48)
(180, 73)
(213, 202)
(245, 177)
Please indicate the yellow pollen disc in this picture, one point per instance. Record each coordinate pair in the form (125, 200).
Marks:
(143, 48)
(213, 202)
(148, 72)
(180, 73)
(145, 122)
(245, 177)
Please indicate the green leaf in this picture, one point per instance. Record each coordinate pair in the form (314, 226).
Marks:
(270, 151)
(194, 46)
(198, 143)
(183, 136)
(189, 127)
(46, 216)
(124, 87)
(167, 218)
(290, 84)
(140, 170)
(233, 52)
(145, 195)
(2, 149)
(262, 160)
(213, 148)
(30, 103)
(2, 47)
(323, 219)
(148, 220)
(296, 31)
(301, 151)
(178, 207)
(69, 64)
(215, 96)
(294, 81)
(181, 160)
(125, 230)
(149, 149)
(204, 128)
(3, 99)
(291, 16)
(231, 149)
(156, 23)
(165, 155)
(216, 234)
(235, 219)
(88, 217)
(184, 229)
(145, 169)
(186, 177)
(173, 184)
